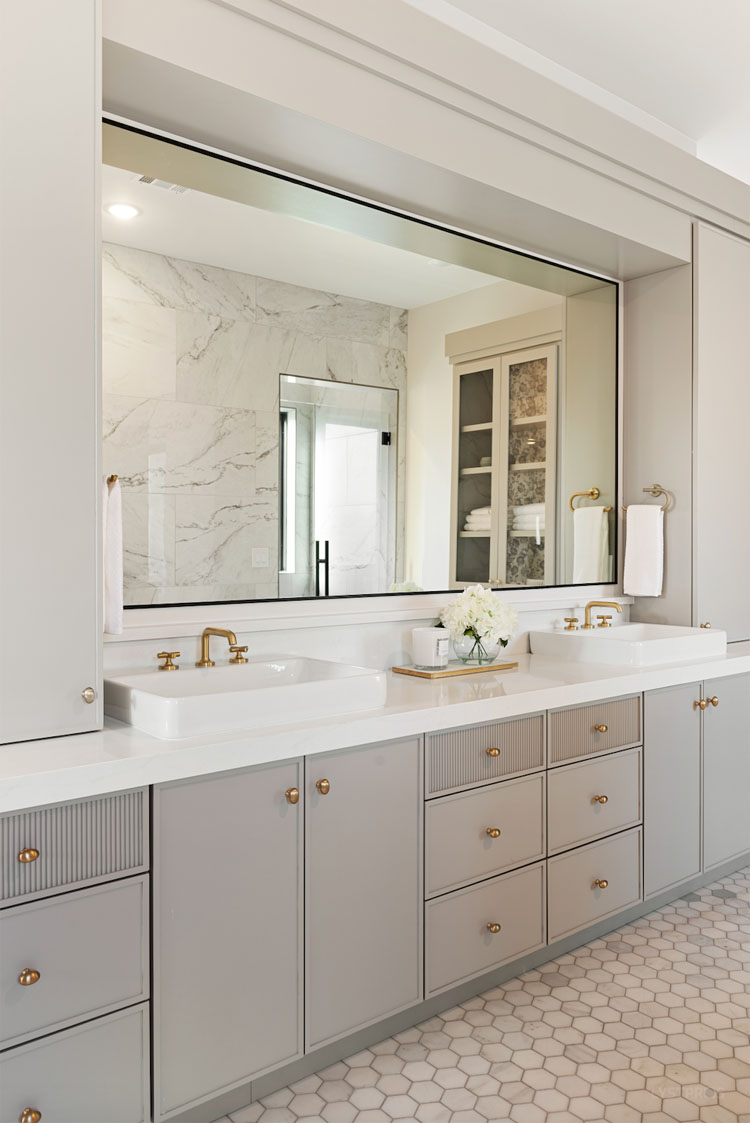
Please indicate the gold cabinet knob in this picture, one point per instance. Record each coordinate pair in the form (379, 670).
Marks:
(701, 705)
(323, 787)
(601, 798)
(88, 695)
(714, 701)
(30, 1115)
(493, 928)
(600, 883)
(28, 977)
(27, 855)
(292, 794)
(706, 625)
(493, 832)
(492, 752)
(601, 728)
(168, 656)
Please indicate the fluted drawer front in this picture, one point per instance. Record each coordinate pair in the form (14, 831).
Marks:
(95, 1073)
(459, 943)
(460, 758)
(582, 731)
(79, 955)
(594, 798)
(77, 844)
(484, 832)
(576, 900)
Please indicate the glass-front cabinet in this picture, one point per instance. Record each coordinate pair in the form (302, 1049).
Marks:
(504, 486)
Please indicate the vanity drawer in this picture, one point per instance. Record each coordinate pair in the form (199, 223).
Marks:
(90, 949)
(460, 946)
(574, 901)
(458, 848)
(466, 758)
(75, 844)
(582, 731)
(95, 1073)
(593, 798)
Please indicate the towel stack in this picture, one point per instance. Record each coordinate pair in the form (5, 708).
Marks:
(529, 518)
(479, 519)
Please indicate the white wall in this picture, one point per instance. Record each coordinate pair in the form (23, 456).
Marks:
(429, 434)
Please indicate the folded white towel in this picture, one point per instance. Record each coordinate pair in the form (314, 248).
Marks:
(477, 526)
(644, 551)
(478, 518)
(481, 511)
(528, 520)
(112, 533)
(590, 545)
(530, 509)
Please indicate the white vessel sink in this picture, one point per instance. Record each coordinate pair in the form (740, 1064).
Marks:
(263, 692)
(631, 645)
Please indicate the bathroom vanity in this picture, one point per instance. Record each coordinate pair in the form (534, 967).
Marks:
(316, 889)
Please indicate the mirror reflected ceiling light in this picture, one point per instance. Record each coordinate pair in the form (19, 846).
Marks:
(123, 211)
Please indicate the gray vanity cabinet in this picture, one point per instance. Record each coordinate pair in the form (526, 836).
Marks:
(227, 931)
(726, 769)
(672, 787)
(363, 811)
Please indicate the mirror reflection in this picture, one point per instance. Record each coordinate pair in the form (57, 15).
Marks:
(306, 396)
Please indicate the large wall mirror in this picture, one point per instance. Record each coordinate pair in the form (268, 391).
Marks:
(309, 396)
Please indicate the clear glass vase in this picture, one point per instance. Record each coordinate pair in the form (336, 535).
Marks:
(471, 649)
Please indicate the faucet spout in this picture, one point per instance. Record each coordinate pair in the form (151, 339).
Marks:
(598, 604)
(205, 659)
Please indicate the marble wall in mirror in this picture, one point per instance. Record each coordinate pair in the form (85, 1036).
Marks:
(306, 396)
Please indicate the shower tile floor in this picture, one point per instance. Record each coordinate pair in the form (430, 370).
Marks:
(650, 1024)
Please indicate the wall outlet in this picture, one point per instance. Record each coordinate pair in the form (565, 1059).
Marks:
(259, 557)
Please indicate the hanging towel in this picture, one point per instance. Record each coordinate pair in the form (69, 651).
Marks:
(590, 545)
(644, 551)
(112, 533)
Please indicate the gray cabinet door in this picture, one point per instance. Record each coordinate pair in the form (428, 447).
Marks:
(227, 931)
(363, 887)
(672, 786)
(726, 770)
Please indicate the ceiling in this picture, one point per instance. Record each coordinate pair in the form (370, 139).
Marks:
(676, 67)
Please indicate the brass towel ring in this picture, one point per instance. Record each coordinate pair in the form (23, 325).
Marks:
(655, 490)
(592, 493)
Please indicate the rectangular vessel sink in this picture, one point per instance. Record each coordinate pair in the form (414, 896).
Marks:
(631, 645)
(270, 691)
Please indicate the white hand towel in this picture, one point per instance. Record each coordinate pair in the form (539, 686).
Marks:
(590, 545)
(112, 529)
(644, 551)
(530, 509)
(478, 519)
(481, 511)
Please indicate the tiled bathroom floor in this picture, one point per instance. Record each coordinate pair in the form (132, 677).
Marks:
(651, 1023)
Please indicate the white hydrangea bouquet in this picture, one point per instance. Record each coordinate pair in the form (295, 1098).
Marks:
(480, 623)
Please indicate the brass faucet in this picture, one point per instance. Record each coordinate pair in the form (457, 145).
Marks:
(598, 604)
(225, 633)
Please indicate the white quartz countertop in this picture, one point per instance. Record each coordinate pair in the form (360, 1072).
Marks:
(34, 773)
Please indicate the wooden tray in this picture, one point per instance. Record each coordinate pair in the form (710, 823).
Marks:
(453, 669)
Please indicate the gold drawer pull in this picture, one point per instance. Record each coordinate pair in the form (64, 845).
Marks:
(28, 854)
(700, 705)
(714, 701)
(292, 795)
(601, 728)
(600, 883)
(493, 832)
(323, 787)
(28, 977)
(492, 752)
(601, 799)
(706, 625)
(493, 928)
(30, 1115)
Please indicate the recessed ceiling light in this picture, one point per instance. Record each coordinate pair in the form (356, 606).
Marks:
(123, 211)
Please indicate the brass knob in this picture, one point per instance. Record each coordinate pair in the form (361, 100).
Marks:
(601, 799)
(571, 621)
(30, 1115)
(604, 621)
(493, 928)
(700, 705)
(714, 701)
(292, 794)
(492, 752)
(323, 787)
(168, 656)
(28, 854)
(600, 883)
(238, 655)
(707, 624)
(601, 728)
(28, 977)
(493, 832)
(88, 695)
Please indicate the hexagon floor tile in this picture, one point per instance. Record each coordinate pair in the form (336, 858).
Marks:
(650, 1023)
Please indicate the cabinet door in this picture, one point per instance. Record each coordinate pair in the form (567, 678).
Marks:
(227, 931)
(363, 887)
(672, 780)
(722, 404)
(726, 770)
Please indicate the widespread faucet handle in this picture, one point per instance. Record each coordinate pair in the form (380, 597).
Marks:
(168, 656)
(238, 653)
(604, 621)
(572, 622)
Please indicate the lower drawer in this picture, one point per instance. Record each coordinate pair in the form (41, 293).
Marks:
(593, 882)
(95, 1073)
(459, 940)
(594, 798)
(88, 951)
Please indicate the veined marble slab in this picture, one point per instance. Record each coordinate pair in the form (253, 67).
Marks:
(321, 313)
(153, 278)
(139, 349)
(215, 539)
